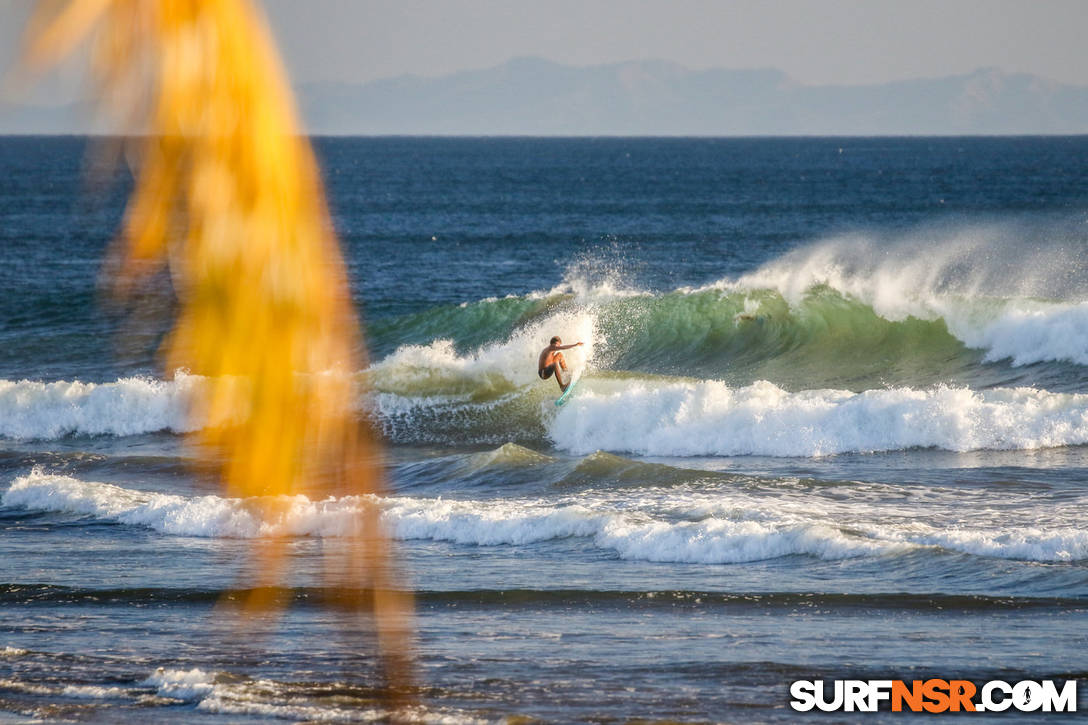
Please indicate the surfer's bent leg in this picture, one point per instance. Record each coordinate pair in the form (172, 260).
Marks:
(560, 366)
(564, 381)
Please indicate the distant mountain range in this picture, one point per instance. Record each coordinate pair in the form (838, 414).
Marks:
(531, 96)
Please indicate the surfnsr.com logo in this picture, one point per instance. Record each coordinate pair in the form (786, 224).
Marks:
(933, 695)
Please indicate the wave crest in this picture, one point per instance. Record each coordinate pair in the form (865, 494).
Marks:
(129, 406)
(705, 527)
(711, 419)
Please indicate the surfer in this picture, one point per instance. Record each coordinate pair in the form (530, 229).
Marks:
(551, 361)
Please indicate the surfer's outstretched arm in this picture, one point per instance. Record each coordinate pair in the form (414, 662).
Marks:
(567, 347)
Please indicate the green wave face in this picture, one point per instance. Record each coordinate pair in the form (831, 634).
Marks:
(764, 365)
(471, 324)
(826, 340)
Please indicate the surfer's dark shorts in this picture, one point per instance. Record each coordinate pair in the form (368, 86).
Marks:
(555, 370)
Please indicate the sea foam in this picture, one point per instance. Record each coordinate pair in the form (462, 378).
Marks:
(468, 522)
(187, 685)
(667, 525)
(129, 406)
(709, 418)
(268, 699)
(204, 516)
(974, 278)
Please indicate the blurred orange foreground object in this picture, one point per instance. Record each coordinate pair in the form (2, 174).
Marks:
(228, 200)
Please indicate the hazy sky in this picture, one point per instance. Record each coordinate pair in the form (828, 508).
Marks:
(815, 42)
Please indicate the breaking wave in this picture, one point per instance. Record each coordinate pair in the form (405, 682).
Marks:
(129, 406)
(708, 418)
(851, 345)
(702, 527)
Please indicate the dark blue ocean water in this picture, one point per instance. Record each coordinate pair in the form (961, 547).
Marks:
(831, 422)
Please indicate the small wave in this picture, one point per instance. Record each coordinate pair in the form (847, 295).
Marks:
(129, 406)
(608, 469)
(29, 688)
(203, 516)
(506, 456)
(478, 523)
(75, 692)
(730, 542)
(185, 685)
(661, 525)
(230, 695)
(95, 692)
(511, 466)
(1028, 543)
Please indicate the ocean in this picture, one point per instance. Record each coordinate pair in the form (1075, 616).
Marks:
(831, 423)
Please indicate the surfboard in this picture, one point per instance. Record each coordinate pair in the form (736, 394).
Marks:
(563, 398)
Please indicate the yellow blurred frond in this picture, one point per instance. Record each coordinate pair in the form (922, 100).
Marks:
(228, 196)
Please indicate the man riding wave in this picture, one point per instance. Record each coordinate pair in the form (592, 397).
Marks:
(551, 362)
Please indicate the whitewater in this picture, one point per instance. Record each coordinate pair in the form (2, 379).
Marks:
(930, 361)
(708, 524)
